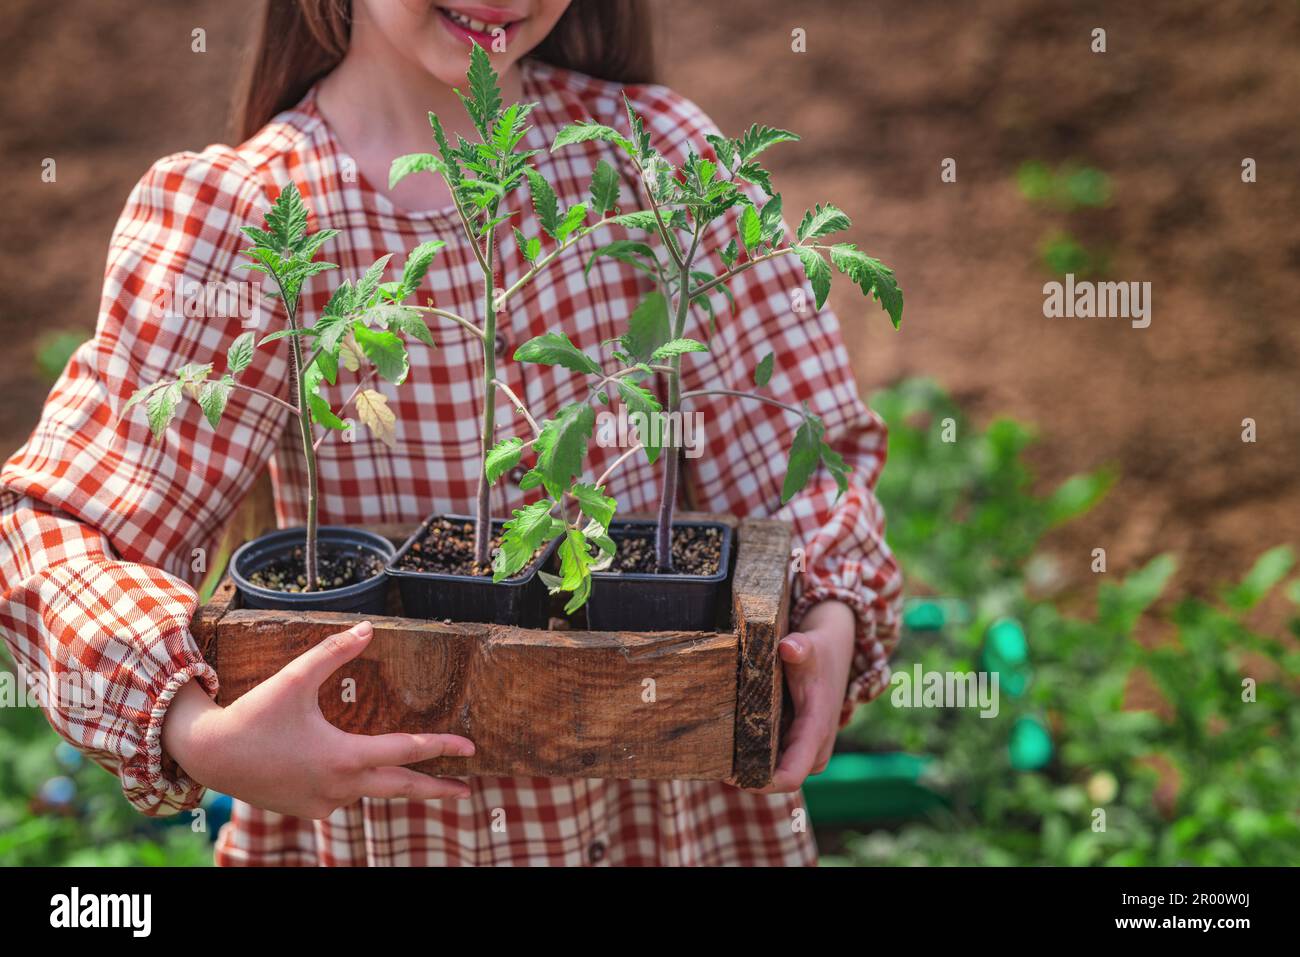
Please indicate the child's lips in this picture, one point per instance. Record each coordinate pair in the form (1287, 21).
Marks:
(480, 24)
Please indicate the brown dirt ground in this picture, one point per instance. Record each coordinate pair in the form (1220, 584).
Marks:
(885, 92)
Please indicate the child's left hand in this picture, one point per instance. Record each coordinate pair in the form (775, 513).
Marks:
(817, 662)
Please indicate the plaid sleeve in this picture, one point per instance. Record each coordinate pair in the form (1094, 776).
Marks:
(841, 551)
(104, 532)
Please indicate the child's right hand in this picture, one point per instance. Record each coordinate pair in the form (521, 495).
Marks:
(274, 749)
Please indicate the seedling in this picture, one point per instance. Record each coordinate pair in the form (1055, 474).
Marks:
(360, 329)
(479, 175)
(683, 201)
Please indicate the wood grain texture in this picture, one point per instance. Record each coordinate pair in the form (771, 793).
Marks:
(561, 703)
(760, 592)
(548, 703)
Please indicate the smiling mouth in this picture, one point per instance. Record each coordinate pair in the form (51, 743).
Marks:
(480, 30)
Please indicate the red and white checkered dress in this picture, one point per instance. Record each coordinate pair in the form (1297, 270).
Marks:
(98, 524)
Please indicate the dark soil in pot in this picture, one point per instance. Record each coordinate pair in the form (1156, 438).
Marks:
(269, 571)
(438, 578)
(632, 596)
(446, 547)
(333, 570)
(697, 550)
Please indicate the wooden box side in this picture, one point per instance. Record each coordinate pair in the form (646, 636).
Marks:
(760, 594)
(659, 705)
(551, 703)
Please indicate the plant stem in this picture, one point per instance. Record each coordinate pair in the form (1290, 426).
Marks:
(519, 406)
(266, 395)
(672, 458)
(483, 511)
(298, 371)
(730, 274)
(474, 330)
(743, 395)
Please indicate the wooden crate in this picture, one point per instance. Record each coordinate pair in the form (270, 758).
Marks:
(549, 703)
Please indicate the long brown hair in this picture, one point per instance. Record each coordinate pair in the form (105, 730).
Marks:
(302, 40)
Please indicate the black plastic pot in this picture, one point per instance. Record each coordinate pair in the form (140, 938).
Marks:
(521, 600)
(635, 601)
(369, 597)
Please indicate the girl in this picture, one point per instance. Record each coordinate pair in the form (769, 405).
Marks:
(98, 525)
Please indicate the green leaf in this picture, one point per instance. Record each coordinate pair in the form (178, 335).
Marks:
(212, 398)
(404, 166)
(555, 349)
(648, 327)
(330, 330)
(484, 101)
(417, 265)
(724, 147)
(287, 219)
(502, 457)
(754, 173)
(641, 219)
(1269, 569)
(574, 218)
(544, 202)
(329, 366)
(805, 453)
(369, 283)
(322, 414)
(604, 188)
(835, 464)
(586, 132)
(751, 228)
(528, 248)
(385, 350)
(763, 371)
(522, 536)
(641, 402)
(596, 505)
(562, 446)
(240, 354)
(758, 138)
(161, 407)
(770, 219)
(678, 347)
(629, 251)
(872, 276)
(730, 254)
(401, 320)
(818, 272)
(821, 221)
(575, 569)
(140, 395)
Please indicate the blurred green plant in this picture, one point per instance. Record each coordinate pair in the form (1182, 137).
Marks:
(1066, 189)
(58, 808)
(1069, 187)
(1188, 738)
(54, 349)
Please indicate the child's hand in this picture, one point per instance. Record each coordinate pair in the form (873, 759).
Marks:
(274, 749)
(817, 662)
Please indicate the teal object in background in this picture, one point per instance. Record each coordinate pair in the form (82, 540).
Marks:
(856, 788)
(1006, 651)
(1030, 746)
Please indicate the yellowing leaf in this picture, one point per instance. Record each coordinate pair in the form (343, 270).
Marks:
(350, 354)
(373, 410)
